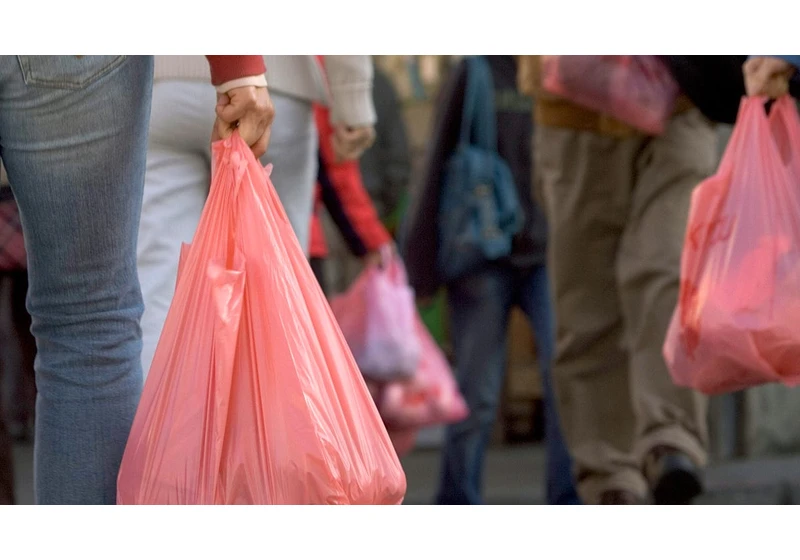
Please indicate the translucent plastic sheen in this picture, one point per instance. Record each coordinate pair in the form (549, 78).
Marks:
(737, 323)
(376, 316)
(253, 396)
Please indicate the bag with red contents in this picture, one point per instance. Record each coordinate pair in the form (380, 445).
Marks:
(635, 89)
(429, 398)
(737, 321)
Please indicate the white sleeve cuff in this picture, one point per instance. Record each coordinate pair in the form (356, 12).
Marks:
(353, 106)
(256, 81)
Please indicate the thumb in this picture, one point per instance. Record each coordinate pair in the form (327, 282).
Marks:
(222, 101)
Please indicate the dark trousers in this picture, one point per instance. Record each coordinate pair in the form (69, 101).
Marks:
(480, 307)
(318, 266)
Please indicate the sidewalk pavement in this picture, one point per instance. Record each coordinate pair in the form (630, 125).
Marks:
(514, 476)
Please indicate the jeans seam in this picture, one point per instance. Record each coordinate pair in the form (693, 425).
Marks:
(31, 80)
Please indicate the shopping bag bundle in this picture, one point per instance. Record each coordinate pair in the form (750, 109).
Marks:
(737, 322)
(408, 398)
(254, 396)
(430, 398)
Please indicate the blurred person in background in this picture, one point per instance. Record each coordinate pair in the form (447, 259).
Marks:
(179, 165)
(479, 304)
(386, 165)
(617, 203)
(340, 190)
(385, 173)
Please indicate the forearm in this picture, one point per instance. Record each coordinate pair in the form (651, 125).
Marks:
(350, 80)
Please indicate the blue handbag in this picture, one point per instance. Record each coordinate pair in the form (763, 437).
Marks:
(479, 212)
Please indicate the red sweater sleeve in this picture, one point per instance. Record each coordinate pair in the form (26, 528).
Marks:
(344, 195)
(227, 68)
(318, 247)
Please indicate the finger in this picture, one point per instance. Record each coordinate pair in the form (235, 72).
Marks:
(752, 64)
(222, 130)
(222, 100)
(231, 113)
(755, 81)
(753, 76)
(346, 146)
(777, 65)
(777, 86)
(242, 101)
(252, 128)
(259, 148)
(338, 148)
(752, 87)
(347, 137)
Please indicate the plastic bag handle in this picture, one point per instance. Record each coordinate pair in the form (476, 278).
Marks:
(785, 123)
(745, 133)
(392, 266)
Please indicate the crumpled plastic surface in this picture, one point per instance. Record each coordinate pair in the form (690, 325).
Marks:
(637, 90)
(737, 322)
(376, 316)
(430, 398)
(253, 396)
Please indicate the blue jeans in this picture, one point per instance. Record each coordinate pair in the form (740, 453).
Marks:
(73, 134)
(479, 315)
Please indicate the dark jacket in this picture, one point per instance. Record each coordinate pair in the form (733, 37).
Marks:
(715, 84)
(341, 191)
(419, 235)
(386, 166)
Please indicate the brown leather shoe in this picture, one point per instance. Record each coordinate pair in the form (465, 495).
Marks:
(620, 498)
(674, 479)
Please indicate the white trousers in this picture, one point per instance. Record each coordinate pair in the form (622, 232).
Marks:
(177, 182)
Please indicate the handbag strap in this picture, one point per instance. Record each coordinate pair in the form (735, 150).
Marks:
(478, 115)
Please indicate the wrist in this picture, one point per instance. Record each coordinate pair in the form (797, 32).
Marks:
(254, 81)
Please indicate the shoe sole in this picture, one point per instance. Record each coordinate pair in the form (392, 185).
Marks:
(677, 488)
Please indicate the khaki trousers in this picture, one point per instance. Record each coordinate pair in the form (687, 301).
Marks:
(617, 211)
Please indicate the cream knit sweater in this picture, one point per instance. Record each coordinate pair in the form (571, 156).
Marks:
(347, 91)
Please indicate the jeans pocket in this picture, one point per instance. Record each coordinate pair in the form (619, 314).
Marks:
(67, 72)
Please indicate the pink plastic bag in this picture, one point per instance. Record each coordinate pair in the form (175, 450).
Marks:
(737, 323)
(635, 89)
(431, 397)
(376, 316)
(253, 396)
